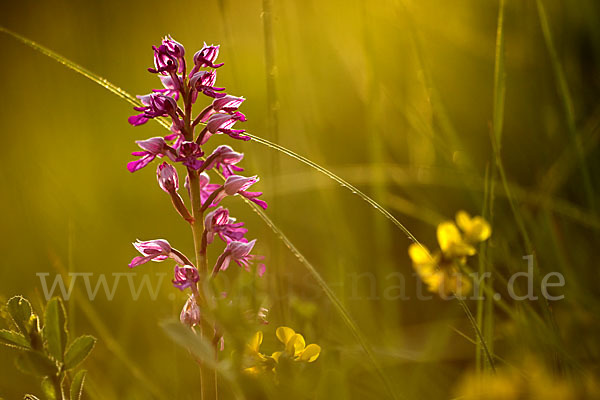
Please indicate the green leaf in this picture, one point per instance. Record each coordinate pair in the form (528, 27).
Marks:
(35, 335)
(37, 364)
(77, 385)
(55, 328)
(79, 350)
(48, 389)
(14, 339)
(19, 309)
(196, 344)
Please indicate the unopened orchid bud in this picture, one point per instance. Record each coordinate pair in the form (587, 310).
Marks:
(206, 57)
(190, 314)
(167, 177)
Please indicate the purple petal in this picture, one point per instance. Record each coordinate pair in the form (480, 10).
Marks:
(136, 120)
(133, 166)
(138, 261)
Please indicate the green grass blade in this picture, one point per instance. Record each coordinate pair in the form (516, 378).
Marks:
(561, 169)
(499, 78)
(452, 137)
(76, 67)
(480, 339)
(484, 313)
(481, 270)
(276, 279)
(567, 103)
(497, 357)
(498, 121)
(270, 70)
(338, 179)
(498, 118)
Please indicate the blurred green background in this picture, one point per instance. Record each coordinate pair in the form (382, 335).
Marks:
(395, 97)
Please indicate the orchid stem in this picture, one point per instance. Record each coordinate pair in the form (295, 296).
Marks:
(208, 378)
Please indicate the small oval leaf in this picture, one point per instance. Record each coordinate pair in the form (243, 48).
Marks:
(37, 364)
(55, 330)
(19, 309)
(77, 386)
(14, 339)
(48, 389)
(79, 350)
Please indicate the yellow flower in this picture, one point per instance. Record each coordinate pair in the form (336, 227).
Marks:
(258, 361)
(441, 270)
(440, 274)
(253, 346)
(295, 346)
(426, 266)
(475, 229)
(509, 384)
(451, 241)
(295, 349)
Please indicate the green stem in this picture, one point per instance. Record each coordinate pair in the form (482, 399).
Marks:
(58, 389)
(481, 271)
(208, 378)
(477, 332)
(198, 223)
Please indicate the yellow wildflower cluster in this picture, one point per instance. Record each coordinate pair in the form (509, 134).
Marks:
(440, 271)
(295, 349)
(537, 383)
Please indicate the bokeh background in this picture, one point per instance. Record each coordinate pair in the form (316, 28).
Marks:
(395, 97)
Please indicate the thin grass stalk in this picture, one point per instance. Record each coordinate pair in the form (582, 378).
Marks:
(488, 319)
(71, 270)
(229, 42)
(567, 103)
(451, 135)
(487, 308)
(498, 119)
(496, 357)
(277, 278)
(480, 339)
(375, 145)
(481, 270)
(345, 184)
(560, 171)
